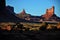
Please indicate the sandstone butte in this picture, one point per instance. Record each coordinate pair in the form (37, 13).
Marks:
(49, 13)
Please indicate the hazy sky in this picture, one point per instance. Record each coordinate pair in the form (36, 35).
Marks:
(34, 7)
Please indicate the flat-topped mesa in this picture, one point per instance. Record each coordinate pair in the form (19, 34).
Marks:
(10, 8)
(23, 12)
(49, 13)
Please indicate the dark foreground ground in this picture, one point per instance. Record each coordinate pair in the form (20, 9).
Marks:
(29, 35)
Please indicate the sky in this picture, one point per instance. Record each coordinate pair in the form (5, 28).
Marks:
(34, 7)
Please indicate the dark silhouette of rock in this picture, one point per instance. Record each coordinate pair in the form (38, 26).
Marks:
(2, 5)
(10, 8)
(7, 13)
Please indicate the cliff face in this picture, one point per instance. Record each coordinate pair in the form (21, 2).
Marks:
(49, 13)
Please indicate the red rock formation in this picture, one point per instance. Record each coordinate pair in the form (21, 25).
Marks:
(23, 12)
(49, 13)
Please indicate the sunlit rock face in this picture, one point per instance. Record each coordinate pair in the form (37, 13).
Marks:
(49, 13)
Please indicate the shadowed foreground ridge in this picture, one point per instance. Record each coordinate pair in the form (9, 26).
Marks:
(29, 35)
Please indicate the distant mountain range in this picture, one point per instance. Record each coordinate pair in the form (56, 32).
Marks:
(48, 16)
